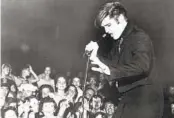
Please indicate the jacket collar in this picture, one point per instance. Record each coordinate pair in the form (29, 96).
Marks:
(128, 29)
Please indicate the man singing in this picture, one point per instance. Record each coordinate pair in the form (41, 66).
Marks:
(129, 64)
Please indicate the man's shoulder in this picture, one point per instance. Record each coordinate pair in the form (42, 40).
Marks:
(139, 33)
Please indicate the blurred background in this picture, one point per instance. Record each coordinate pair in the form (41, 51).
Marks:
(55, 32)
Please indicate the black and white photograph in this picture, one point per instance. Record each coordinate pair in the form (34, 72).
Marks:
(87, 59)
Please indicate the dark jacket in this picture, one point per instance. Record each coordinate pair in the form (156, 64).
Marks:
(131, 59)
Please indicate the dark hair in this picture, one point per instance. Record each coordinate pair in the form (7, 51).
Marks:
(10, 100)
(42, 87)
(111, 9)
(47, 100)
(76, 94)
(63, 76)
(96, 96)
(100, 113)
(81, 98)
(108, 102)
(7, 109)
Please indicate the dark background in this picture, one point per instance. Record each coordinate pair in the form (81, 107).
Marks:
(55, 32)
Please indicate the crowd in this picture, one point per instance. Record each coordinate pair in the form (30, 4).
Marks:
(32, 95)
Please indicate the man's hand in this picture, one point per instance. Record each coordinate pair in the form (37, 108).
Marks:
(92, 46)
(102, 67)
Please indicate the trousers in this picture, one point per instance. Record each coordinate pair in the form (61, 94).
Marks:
(144, 101)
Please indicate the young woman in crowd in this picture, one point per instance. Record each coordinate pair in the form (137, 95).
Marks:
(47, 108)
(92, 83)
(27, 76)
(61, 86)
(66, 106)
(45, 90)
(45, 78)
(77, 83)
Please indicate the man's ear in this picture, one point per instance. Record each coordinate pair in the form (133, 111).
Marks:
(120, 18)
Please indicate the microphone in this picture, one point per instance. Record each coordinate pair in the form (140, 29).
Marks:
(89, 52)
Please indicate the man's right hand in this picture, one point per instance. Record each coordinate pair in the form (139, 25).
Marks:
(91, 46)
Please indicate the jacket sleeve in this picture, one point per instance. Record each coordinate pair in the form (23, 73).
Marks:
(140, 64)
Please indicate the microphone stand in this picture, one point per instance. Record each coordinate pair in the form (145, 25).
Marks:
(85, 80)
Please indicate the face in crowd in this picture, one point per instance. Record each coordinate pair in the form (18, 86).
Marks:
(71, 92)
(61, 83)
(25, 72)
(45, 92)
(48, 108)
(96, 102)
(89, 93)
(47, 71)
(76, 82)
(6, 70)
(109, 108)
(93, 80)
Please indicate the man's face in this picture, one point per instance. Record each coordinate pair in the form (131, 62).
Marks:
(96, 103)
(109, 108)
(61, 83)
(112, 27)
(89, 94)
(47, 71)
(45, 92)
(76, 82)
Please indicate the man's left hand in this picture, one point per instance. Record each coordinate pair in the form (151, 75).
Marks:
(102, 67)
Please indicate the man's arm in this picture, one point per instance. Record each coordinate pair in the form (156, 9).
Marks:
(142, 55)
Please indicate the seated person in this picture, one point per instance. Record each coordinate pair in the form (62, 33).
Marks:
(45, 78)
